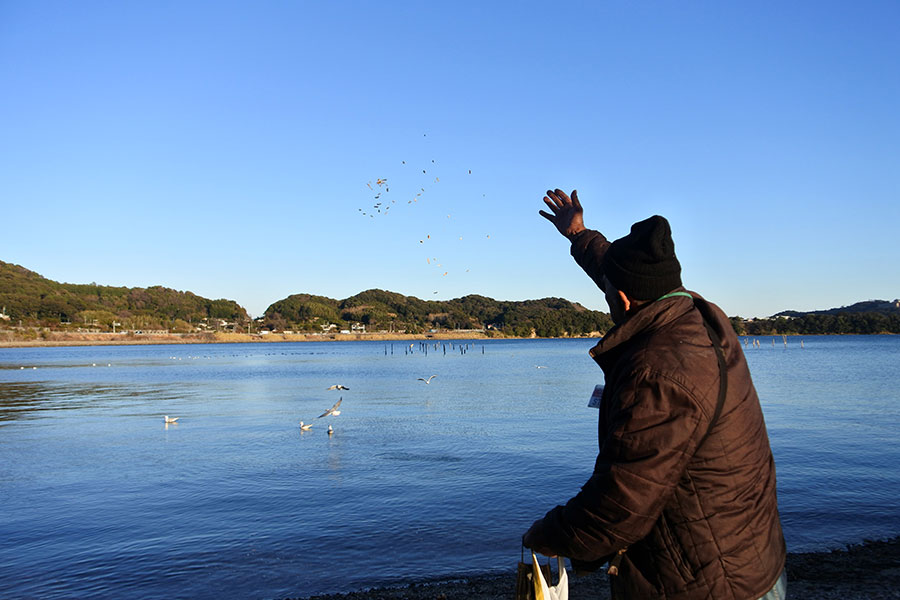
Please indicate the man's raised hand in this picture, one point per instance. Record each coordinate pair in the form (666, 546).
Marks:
(567, 212)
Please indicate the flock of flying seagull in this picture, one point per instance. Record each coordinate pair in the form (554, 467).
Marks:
(331, 412)
(382, 205)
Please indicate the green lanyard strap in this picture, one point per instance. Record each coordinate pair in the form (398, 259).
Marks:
(672, 294)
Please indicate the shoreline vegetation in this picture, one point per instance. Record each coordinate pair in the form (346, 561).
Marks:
(870, 571)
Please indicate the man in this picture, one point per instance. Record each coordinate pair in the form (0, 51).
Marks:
(682, 497)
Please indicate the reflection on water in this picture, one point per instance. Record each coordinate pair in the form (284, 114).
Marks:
(412, 457)
(17, 398)
(23, 401)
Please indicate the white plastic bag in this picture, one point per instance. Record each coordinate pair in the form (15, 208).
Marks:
(542, 590)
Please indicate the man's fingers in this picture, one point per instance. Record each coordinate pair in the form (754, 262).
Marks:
(547, 216)
(553, 200)
(551, 205)
(575, 201)
(563, 197)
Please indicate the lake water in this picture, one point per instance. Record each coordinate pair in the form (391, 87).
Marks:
(98, 498)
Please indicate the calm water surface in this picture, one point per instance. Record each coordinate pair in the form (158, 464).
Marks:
(101, 499)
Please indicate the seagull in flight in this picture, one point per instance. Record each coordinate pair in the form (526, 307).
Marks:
(333, 410)
(304, 426)
(427, 381)
(338, 386)
(169, 419)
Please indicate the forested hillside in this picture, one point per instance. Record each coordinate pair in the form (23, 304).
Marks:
(30, 300)
(548, 317)
(871, 316)
(35, 300)
(389, 311)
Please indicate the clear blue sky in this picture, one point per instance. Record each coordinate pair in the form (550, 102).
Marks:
(227, 148)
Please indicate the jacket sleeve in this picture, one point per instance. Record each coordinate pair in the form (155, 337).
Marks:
(653, 432)
(588, 248)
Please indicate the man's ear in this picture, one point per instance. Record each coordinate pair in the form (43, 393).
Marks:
(626, 303)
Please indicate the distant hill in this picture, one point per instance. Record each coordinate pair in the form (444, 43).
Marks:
(29, 297)
(34, 300)
(381, 310)
(869, 306)
(871, 316)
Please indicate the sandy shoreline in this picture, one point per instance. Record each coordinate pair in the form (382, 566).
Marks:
(866, 571)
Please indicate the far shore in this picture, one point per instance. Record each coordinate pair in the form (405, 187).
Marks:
(55, 338)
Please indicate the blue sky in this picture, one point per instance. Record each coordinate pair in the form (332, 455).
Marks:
(228, 148)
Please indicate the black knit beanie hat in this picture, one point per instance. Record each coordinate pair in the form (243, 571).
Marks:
(643, 264)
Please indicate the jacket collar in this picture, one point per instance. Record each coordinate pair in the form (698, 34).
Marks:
(652, 316)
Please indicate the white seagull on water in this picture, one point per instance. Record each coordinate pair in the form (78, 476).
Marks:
(333, 410)
(304, 426)
(169, 419)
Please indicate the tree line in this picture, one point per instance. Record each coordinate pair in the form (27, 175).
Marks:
(33, 300)
(821, 324)
(381, 310)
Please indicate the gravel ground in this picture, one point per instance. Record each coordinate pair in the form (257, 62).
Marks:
(869, 571)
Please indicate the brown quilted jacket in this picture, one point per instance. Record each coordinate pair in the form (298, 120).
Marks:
(699, 520)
